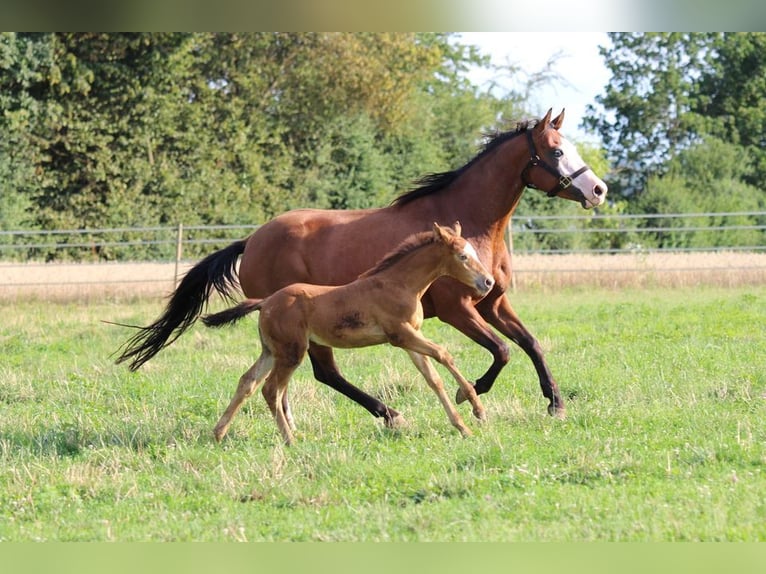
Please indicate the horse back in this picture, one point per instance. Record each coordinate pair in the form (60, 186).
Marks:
(321, 247)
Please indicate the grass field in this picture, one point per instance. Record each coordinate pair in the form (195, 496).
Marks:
(665, 437)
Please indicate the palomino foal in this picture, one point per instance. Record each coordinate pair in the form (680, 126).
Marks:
(381, 306)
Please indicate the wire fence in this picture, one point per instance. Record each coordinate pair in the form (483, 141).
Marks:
(612, 248)
(621, 233)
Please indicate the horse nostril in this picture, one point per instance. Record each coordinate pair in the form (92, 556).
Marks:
(489, 282)
(598, 191)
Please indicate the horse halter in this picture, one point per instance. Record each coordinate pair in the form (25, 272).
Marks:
(564, 181)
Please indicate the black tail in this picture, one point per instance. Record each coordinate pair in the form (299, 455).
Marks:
(232, 314)
(216, 271)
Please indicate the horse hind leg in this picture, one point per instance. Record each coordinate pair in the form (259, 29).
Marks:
(274, 391)
(248, 383)
(288, 411)
(326, 372)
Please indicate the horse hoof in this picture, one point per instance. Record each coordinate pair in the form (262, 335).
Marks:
(558, 412)
(460, 396)
(396, 421)
(481, 416)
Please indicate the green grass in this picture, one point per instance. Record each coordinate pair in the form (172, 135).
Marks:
(665, 437)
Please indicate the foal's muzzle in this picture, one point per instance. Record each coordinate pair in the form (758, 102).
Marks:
(483, 285)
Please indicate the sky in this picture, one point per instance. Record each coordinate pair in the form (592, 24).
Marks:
(581, 68)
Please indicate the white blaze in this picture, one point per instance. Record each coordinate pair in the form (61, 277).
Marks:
(586, 181)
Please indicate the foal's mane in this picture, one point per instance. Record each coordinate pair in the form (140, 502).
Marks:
(434, 182)
(412, 243)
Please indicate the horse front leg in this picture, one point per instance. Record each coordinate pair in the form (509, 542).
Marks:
(501, 315)
(466, 319)
(413, 341)
(436, 384)
(326, 372)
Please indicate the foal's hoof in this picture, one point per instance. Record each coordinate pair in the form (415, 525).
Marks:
(481, 416)
(460, 396)
(559, 412)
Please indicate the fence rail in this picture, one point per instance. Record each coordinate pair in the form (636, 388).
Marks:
(542, 246)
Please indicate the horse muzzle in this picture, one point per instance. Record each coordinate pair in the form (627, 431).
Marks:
(483, 285)
(587, 200)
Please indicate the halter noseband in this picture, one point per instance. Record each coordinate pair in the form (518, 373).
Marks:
(564, 181)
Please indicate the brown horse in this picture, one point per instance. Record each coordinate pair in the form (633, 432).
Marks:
(381, 306)
(328, 247)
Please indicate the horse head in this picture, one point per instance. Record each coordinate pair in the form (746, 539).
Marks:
(556, 167)
(464, 264)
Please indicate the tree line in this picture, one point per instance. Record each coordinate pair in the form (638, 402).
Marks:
(105, 130)
(683, 124)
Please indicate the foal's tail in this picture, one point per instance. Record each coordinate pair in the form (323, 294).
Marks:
(216, 271)
(232, 314)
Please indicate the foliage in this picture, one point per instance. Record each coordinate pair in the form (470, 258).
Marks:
(707, 178)
(103, 130)
(647, 100)
(669, 91)
(117, 130)
(732, 97)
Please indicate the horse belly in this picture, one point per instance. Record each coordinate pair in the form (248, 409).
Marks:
(347, 334)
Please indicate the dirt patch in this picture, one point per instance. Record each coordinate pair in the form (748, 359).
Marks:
(725, 269)
(68, 281)
(84, 281)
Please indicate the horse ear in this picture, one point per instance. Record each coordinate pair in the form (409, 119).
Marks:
(543, 123)
(558, 120)
(441, 233)
(458, 228)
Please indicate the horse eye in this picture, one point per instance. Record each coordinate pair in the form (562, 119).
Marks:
(557, 153)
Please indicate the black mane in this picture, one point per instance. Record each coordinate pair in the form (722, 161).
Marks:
(434, 182)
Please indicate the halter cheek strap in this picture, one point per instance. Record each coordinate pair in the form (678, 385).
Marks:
(564, 181)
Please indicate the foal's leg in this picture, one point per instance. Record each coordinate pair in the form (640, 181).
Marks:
(412, 340)
(247, 385)
(435, 382)
(466, 319)
(273, 391)
(288, 411)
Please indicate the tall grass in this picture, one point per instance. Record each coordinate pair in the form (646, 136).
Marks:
(664, 439)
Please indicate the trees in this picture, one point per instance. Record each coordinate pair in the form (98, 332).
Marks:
(22, 61)
(80, 120)
(111, 130)
(683, 123)
(139, 129)
(732, 97)
(707, 177)
(669, 91)
(647, 102)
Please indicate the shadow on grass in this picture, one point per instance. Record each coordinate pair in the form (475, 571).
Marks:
(71, 440)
